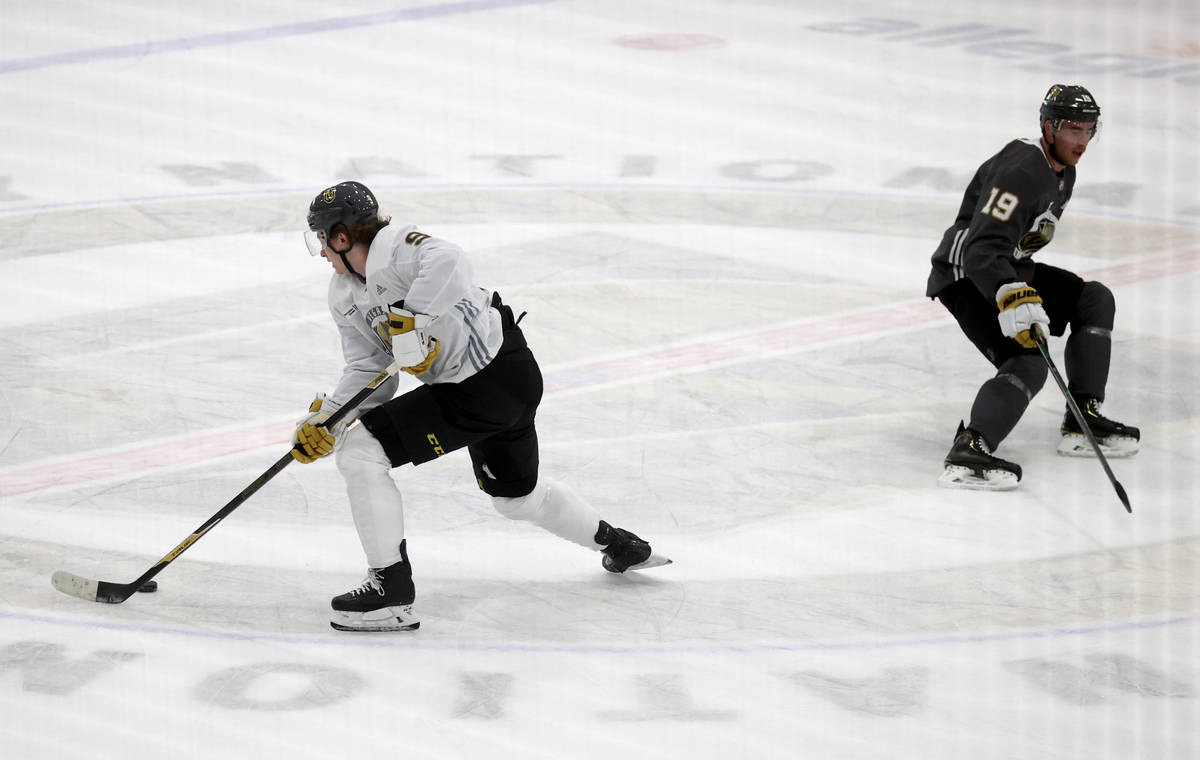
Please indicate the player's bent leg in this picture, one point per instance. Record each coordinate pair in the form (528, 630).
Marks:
(1002, 400)
(555, 507)
(1088, 354)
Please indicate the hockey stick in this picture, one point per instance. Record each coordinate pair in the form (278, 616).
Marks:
(115, 593)
(1040, 339)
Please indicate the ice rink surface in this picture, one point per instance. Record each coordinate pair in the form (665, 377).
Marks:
(718, 216)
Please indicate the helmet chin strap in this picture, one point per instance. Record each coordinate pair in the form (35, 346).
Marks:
(346, 261)
(1056, 155)
(1053, 145)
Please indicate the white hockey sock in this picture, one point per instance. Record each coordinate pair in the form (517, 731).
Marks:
(375, 501)
(553, 506)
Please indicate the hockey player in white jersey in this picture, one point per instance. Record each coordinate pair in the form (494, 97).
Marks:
(984, 274)
(400, 295)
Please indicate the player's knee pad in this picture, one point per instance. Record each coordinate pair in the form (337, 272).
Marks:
(1096, 308)
(359, 451)
(1027, 373)
(528, 507)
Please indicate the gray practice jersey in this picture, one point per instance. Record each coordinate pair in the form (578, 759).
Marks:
(1007, 214)
(430, 276)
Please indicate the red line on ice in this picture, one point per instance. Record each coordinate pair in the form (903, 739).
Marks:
(681, 358)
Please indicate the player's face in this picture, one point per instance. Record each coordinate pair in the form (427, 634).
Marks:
(339, 265)
(319, 246)
(1072, 139)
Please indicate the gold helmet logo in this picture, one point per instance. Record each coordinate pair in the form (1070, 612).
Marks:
(1055, 91)
(330, 194)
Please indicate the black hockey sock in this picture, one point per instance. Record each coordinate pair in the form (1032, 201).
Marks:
(1088, 353)
(1089, 347)
(998, 407)
(1002, 400)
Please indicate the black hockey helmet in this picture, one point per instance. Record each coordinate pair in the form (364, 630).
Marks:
(348, 203)
(1068, 102)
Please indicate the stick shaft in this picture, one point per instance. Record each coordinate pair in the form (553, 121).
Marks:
(115, 593)
(1076, 412)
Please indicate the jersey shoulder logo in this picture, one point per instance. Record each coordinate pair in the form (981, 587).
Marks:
(415, 238)
(1039, 235)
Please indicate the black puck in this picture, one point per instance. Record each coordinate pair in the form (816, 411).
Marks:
(149, 587)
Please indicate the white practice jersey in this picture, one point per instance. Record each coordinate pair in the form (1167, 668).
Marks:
(431, 277)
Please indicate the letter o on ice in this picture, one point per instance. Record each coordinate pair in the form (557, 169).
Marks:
(278, 686)
(776, 170)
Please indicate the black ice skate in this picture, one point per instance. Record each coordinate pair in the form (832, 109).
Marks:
(970, 464)
(382, 603)
(1116, 440)
(625, 551)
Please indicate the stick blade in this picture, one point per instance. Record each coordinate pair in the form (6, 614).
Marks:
(86, 588)
(1122, 495)
(75, 585)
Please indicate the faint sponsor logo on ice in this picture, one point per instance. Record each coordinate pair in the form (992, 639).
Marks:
(1002, 42)
(670, 42)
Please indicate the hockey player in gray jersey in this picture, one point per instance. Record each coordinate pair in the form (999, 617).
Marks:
(984, 274)
(400, 295)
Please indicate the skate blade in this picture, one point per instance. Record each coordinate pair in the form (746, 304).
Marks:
(654, 560)
(1112, 447)
(373, 628)
(376, 621)
(955, 476)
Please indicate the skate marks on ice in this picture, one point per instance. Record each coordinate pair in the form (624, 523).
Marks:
(665, 607)
(680, 275)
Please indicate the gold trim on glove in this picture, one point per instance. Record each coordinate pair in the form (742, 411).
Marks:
(423, 367)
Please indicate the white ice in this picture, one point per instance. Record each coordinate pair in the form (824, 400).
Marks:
(718, 216)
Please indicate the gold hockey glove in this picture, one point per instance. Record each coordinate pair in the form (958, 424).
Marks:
(412, 347)
(312, 440)
(1020, 309)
